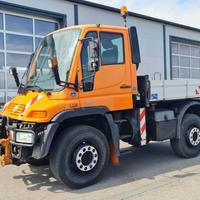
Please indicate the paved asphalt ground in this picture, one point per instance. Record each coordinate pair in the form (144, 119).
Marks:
(149, 173)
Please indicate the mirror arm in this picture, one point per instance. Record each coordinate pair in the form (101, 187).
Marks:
(17, 80)
(13, 72)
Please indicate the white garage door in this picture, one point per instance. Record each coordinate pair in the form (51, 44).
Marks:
(185, 60)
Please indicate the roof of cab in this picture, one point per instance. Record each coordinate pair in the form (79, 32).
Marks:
(90, 26)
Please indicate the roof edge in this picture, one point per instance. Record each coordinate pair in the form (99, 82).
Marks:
(116, 10)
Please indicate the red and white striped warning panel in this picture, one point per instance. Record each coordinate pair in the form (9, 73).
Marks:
(143, 126)
(198, 90)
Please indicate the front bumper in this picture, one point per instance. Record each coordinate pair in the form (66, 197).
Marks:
(13, 152)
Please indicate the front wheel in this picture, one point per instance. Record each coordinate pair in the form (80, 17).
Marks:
(188, 145)
(79, 156)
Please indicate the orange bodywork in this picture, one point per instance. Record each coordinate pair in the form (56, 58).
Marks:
(42, 107)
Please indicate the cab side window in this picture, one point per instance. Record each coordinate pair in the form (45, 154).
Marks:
(88, 78)
(112, 48)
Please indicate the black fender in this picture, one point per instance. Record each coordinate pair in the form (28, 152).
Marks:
(182, 111)
(41, 150)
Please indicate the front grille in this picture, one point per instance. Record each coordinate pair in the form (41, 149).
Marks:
(16, 124)
(16, 109)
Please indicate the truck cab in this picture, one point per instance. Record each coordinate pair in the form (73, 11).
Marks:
(80, 86)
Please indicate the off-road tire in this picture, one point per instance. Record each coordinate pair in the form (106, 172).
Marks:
(182, 146)
(63, 164)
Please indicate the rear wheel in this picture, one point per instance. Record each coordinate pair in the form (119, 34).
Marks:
(189, 143)
(79, 156)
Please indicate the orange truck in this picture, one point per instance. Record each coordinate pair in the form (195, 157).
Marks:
(81, 95)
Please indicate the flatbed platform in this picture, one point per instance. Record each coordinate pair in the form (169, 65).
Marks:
(174, 89)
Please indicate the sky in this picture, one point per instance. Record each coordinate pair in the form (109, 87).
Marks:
(180, 11)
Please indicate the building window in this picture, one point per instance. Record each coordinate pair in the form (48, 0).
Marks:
(37, 41)
(185, 59)
(44, 27)
(1, 41)
(19, 24)
(1, 21)
(17, 60)
(23, 34)
(20, 35)
(1, 60)
(19, 43)
(2, 80)
(1, 45)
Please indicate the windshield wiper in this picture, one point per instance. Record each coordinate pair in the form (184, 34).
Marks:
(35, 87)
(22, 89)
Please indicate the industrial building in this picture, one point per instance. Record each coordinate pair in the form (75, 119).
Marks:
(173, 50)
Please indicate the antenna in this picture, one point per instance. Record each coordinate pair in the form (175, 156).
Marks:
(124, 14)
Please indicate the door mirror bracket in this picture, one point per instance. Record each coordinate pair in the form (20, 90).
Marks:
(13, 72)
(93, 64)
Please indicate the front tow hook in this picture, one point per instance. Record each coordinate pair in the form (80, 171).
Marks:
(5, 152)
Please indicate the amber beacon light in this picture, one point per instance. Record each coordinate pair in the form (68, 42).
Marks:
(124, 13)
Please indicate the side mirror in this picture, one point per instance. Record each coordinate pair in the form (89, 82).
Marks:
(53, 64)
(134, 46)
(93, 64)
(13, 72)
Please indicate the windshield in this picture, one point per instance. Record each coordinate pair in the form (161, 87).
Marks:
(60, 45)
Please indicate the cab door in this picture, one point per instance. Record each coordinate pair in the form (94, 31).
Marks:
(111, 85)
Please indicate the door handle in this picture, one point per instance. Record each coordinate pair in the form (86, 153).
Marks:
(125, 86)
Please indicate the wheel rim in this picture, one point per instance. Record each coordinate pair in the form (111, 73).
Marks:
(194, 136)
(85, 157)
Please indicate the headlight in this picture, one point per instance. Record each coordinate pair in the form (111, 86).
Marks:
(25, 137)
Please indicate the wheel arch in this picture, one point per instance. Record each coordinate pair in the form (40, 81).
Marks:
(98, 117)
(192, 107)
